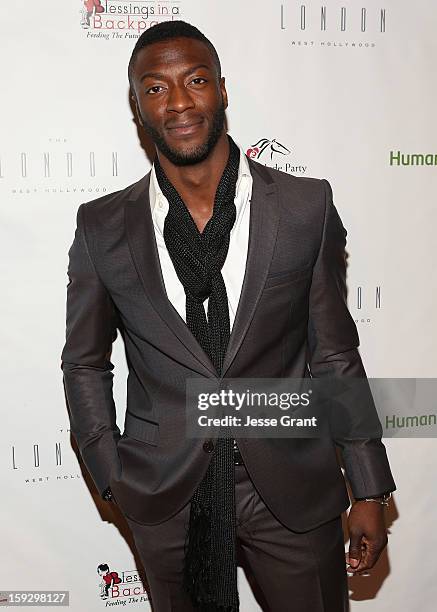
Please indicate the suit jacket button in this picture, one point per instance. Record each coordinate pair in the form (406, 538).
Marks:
(208, 446)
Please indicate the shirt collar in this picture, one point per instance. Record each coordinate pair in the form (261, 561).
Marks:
(242, 192)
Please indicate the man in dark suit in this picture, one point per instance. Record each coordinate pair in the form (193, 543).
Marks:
(214, 266)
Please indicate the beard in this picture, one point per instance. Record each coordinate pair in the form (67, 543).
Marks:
(196, 154)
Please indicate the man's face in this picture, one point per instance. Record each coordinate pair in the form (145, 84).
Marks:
(180, 101)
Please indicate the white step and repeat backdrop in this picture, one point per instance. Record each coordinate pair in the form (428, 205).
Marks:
(340, 89)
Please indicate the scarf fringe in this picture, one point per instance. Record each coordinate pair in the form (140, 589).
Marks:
(198, 560)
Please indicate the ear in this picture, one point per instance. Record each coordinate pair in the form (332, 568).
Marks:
(137, 110)
(224, 92)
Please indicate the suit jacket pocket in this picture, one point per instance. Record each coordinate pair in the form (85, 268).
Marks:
(141, 429)
(283, 278)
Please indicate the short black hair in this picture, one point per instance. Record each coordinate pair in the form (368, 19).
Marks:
(167, 30)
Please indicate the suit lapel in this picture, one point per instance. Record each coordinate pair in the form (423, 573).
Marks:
(263, 227)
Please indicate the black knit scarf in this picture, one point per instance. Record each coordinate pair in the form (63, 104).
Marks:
(210, 569)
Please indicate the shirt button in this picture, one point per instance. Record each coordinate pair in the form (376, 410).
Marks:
(208, 446)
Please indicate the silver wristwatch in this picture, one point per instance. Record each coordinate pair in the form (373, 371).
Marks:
(380, 499)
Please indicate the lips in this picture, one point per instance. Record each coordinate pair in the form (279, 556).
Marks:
(185, 128)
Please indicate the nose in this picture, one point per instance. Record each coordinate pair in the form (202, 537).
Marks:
(179, 99)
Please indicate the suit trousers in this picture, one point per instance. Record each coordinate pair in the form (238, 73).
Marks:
(295, 572)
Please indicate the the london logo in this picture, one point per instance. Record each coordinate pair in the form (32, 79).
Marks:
(118, 19)
(341, 18)
(59, 168)
(318, 24)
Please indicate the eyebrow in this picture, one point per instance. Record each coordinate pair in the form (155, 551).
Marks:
(159, 75)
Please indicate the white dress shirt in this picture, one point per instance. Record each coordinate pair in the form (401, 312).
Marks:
(235, 264)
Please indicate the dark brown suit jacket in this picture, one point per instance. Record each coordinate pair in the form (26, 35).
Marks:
(292, 321)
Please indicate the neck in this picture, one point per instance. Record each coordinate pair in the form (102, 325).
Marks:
(199, 181)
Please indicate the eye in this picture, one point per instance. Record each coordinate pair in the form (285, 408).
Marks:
(153, 90)
(197, 81)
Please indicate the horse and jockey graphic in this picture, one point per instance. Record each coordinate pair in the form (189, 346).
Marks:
(272, 146)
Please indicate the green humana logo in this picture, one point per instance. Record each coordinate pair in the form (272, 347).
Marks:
(397, 158)
(422, 420)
